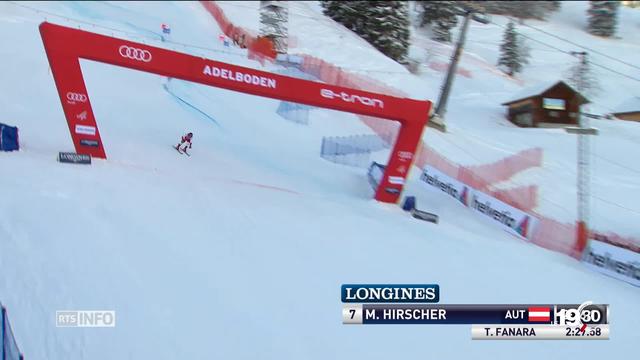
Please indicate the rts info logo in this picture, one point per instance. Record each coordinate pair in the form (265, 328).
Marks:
(85, 318)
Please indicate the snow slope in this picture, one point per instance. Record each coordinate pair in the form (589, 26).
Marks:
(477, 131)
(238, 251)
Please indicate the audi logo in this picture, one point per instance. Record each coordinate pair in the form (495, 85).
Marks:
(134, 53)
(71, 96)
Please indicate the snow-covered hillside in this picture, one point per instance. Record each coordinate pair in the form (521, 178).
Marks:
(239, 251)
(478, 131)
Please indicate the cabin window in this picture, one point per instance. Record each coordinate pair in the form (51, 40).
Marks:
(524, 119)
(553, 104)
(522, 115)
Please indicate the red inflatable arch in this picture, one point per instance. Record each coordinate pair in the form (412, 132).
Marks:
(65, 46)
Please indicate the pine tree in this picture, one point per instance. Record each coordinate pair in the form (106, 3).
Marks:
(329, 7)
(603, 17)
(522, 9)
(441, 16)
(428, 12)
(547, 7)
(384, 24)
(388, 28)
(348, 13)
(513, 51)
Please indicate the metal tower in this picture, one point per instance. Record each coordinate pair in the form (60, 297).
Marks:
(274, 19)
(583, 180)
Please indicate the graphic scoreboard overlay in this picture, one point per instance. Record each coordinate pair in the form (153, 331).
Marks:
(584, 321)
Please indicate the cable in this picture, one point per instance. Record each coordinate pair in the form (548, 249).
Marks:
(498, 44)
(615, 163)
(616, 204)
(569, 53)
(546, 170)
(528, 37)
(581, 46)
(614, 71)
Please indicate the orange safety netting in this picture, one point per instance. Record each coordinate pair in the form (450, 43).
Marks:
(259, 48)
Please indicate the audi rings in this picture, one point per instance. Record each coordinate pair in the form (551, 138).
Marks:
(72, 96)
(134, 53)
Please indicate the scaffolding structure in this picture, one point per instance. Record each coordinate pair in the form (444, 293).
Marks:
(274, 20)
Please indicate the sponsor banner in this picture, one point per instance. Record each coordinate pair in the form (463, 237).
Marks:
(238, 76)
(85, 130)
(439, 181)
(87, 142)
(351, 98)
(75, 97)
(390, 293)
(73, 158)
(514, 221)
(613, 261)
(133, 53)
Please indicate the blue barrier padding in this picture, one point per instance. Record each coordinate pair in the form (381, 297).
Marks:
(9, 138)
(409, 203)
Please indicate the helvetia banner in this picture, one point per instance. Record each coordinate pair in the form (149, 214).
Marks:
(435, 179)
(512, 220)
(614, 261)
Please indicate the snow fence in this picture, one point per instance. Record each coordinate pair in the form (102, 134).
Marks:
(353, 150)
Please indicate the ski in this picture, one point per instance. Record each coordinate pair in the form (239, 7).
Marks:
(177, 148)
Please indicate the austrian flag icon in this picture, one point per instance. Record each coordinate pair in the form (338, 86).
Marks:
(539, 314)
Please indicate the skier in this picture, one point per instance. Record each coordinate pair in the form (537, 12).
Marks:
(186, 140)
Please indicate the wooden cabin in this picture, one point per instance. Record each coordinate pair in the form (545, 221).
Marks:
(628, 110)
(551, 104)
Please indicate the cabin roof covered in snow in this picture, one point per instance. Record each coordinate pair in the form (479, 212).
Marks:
(539, 89)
